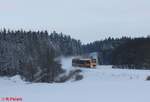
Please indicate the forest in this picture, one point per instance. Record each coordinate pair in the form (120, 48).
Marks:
(32, 54)
(125, 52)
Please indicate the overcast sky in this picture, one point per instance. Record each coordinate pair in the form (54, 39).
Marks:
(87, 20)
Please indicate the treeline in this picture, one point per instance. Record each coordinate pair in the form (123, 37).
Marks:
(133, 54)
(32, 54)
(122, 53)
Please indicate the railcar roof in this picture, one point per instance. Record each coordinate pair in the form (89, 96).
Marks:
(85, 59)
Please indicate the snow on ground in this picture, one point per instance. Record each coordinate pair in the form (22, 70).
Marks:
(106, 73)
(103, 84)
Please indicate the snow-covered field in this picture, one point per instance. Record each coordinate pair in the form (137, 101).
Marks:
(103, 84)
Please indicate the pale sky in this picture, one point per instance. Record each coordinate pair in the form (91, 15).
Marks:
(87, 20)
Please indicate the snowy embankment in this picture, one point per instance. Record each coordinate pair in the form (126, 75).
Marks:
(103, 84)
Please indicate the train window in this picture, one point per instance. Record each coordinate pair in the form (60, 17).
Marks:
(88, 62)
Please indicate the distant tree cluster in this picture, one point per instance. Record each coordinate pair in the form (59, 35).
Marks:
(32, 54)
(122, 53)
(133, 54)
(28, 53)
